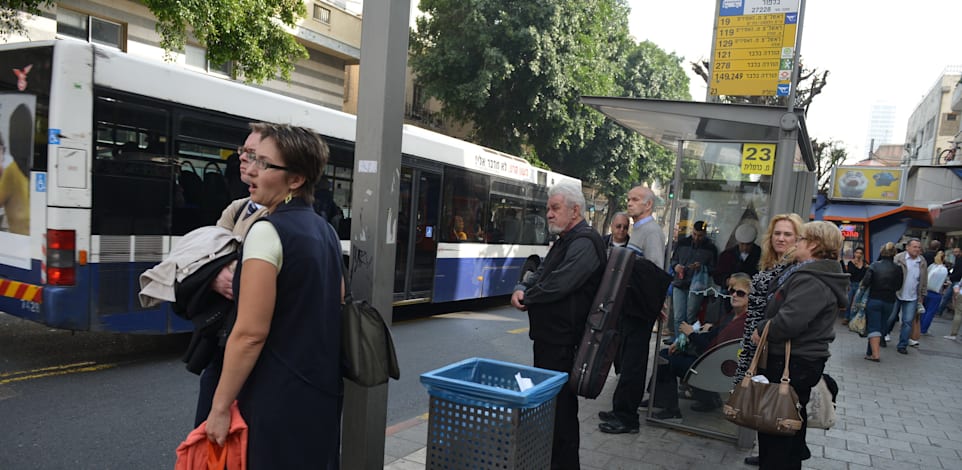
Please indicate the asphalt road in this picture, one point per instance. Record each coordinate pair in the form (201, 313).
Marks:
(108, 401)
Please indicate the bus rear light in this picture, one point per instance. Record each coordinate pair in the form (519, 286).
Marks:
(61, 259)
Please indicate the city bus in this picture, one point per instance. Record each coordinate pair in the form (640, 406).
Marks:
(108, 159)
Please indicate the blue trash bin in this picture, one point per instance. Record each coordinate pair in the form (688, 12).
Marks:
(479, 417)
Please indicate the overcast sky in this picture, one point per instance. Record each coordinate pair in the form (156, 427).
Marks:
(881, 50)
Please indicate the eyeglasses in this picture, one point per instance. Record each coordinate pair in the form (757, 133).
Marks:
(620, 226)
(737, 292)
(262, 164)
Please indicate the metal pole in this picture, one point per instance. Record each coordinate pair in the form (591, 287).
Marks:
(374, 203)
(783, 180)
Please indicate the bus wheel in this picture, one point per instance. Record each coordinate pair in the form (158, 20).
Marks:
(530, 266)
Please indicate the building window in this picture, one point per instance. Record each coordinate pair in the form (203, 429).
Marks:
(196, 57)
(90, 28)
(322, 14)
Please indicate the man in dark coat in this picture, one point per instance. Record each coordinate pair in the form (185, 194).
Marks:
(558, 297)
(742, 257)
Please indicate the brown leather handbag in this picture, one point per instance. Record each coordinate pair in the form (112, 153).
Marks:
(768, 408)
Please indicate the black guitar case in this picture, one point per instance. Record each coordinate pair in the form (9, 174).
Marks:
(601, 339)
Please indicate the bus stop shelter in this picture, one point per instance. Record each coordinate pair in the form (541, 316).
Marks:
(712, 183)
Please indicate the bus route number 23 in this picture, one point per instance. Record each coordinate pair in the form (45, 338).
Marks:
(758, 159)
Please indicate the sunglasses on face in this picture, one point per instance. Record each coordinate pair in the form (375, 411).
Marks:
(737, 292)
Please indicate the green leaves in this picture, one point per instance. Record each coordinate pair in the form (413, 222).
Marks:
(517, 70)
(10, 22)
(249, 33)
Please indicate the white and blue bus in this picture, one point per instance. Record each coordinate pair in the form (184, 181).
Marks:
(108, 159)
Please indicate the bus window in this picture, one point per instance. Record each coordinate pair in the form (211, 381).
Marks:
(466, 196)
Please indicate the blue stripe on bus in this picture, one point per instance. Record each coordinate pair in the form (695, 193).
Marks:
(472, 278)
(70, 307)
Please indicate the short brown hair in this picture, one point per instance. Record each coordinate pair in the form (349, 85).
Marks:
(303, 151)
(826, 236)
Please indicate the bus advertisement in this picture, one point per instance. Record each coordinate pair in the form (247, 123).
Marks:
(109, 159)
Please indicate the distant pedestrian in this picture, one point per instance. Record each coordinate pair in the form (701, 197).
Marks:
(882, 280)
(914, 287)
(742, 257)
(937, 274)
(855, 268)
(692, 263)
(557, 297)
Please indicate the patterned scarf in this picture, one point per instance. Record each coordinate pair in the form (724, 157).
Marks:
(784, 277)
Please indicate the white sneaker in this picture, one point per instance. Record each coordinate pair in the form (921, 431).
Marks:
(952, 337)
(888, 338)
(913, 343)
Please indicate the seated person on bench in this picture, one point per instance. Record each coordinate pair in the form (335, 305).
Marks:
(676, 362)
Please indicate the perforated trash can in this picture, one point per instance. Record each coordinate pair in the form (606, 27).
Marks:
(479, 418)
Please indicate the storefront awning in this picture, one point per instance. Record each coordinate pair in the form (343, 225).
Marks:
(948, 217)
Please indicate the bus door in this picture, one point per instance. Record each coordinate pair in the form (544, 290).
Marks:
(417, 234)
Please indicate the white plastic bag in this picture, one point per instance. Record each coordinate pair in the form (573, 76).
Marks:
(821, 410)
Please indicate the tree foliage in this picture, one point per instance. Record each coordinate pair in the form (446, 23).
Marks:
(248, 33)
(10, 21)
(517, 69)
(516, 72)
(621, 157)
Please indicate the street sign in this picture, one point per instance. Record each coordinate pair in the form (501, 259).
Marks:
(753, 53)
(758, 159)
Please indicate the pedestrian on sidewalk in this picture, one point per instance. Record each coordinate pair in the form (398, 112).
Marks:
(282, 363)
(558, 297)
(914, 286)
(882, 280)
(937, 273)
(635, 324)
(802, 307)
(855, 268)
(957, 318)
(955, 276)
(778, 246)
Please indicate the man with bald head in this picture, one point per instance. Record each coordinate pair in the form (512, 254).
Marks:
(619, 231)
(647, 239)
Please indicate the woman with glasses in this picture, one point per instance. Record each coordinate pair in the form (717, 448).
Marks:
(281, 364)
(777, 247)
(802, 306)
(678, 360)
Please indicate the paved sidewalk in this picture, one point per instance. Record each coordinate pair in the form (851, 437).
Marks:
(904, 413)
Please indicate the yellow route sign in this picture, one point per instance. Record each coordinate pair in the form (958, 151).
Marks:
(754, 48)
(758, 159)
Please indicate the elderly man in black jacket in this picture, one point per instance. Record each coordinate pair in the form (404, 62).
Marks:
(557, 298)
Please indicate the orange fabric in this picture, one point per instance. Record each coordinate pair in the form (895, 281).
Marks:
(199, 453)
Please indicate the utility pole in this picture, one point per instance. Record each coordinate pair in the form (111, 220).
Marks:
(374, 204)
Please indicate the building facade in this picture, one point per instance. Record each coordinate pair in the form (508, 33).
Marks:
(933, 126)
